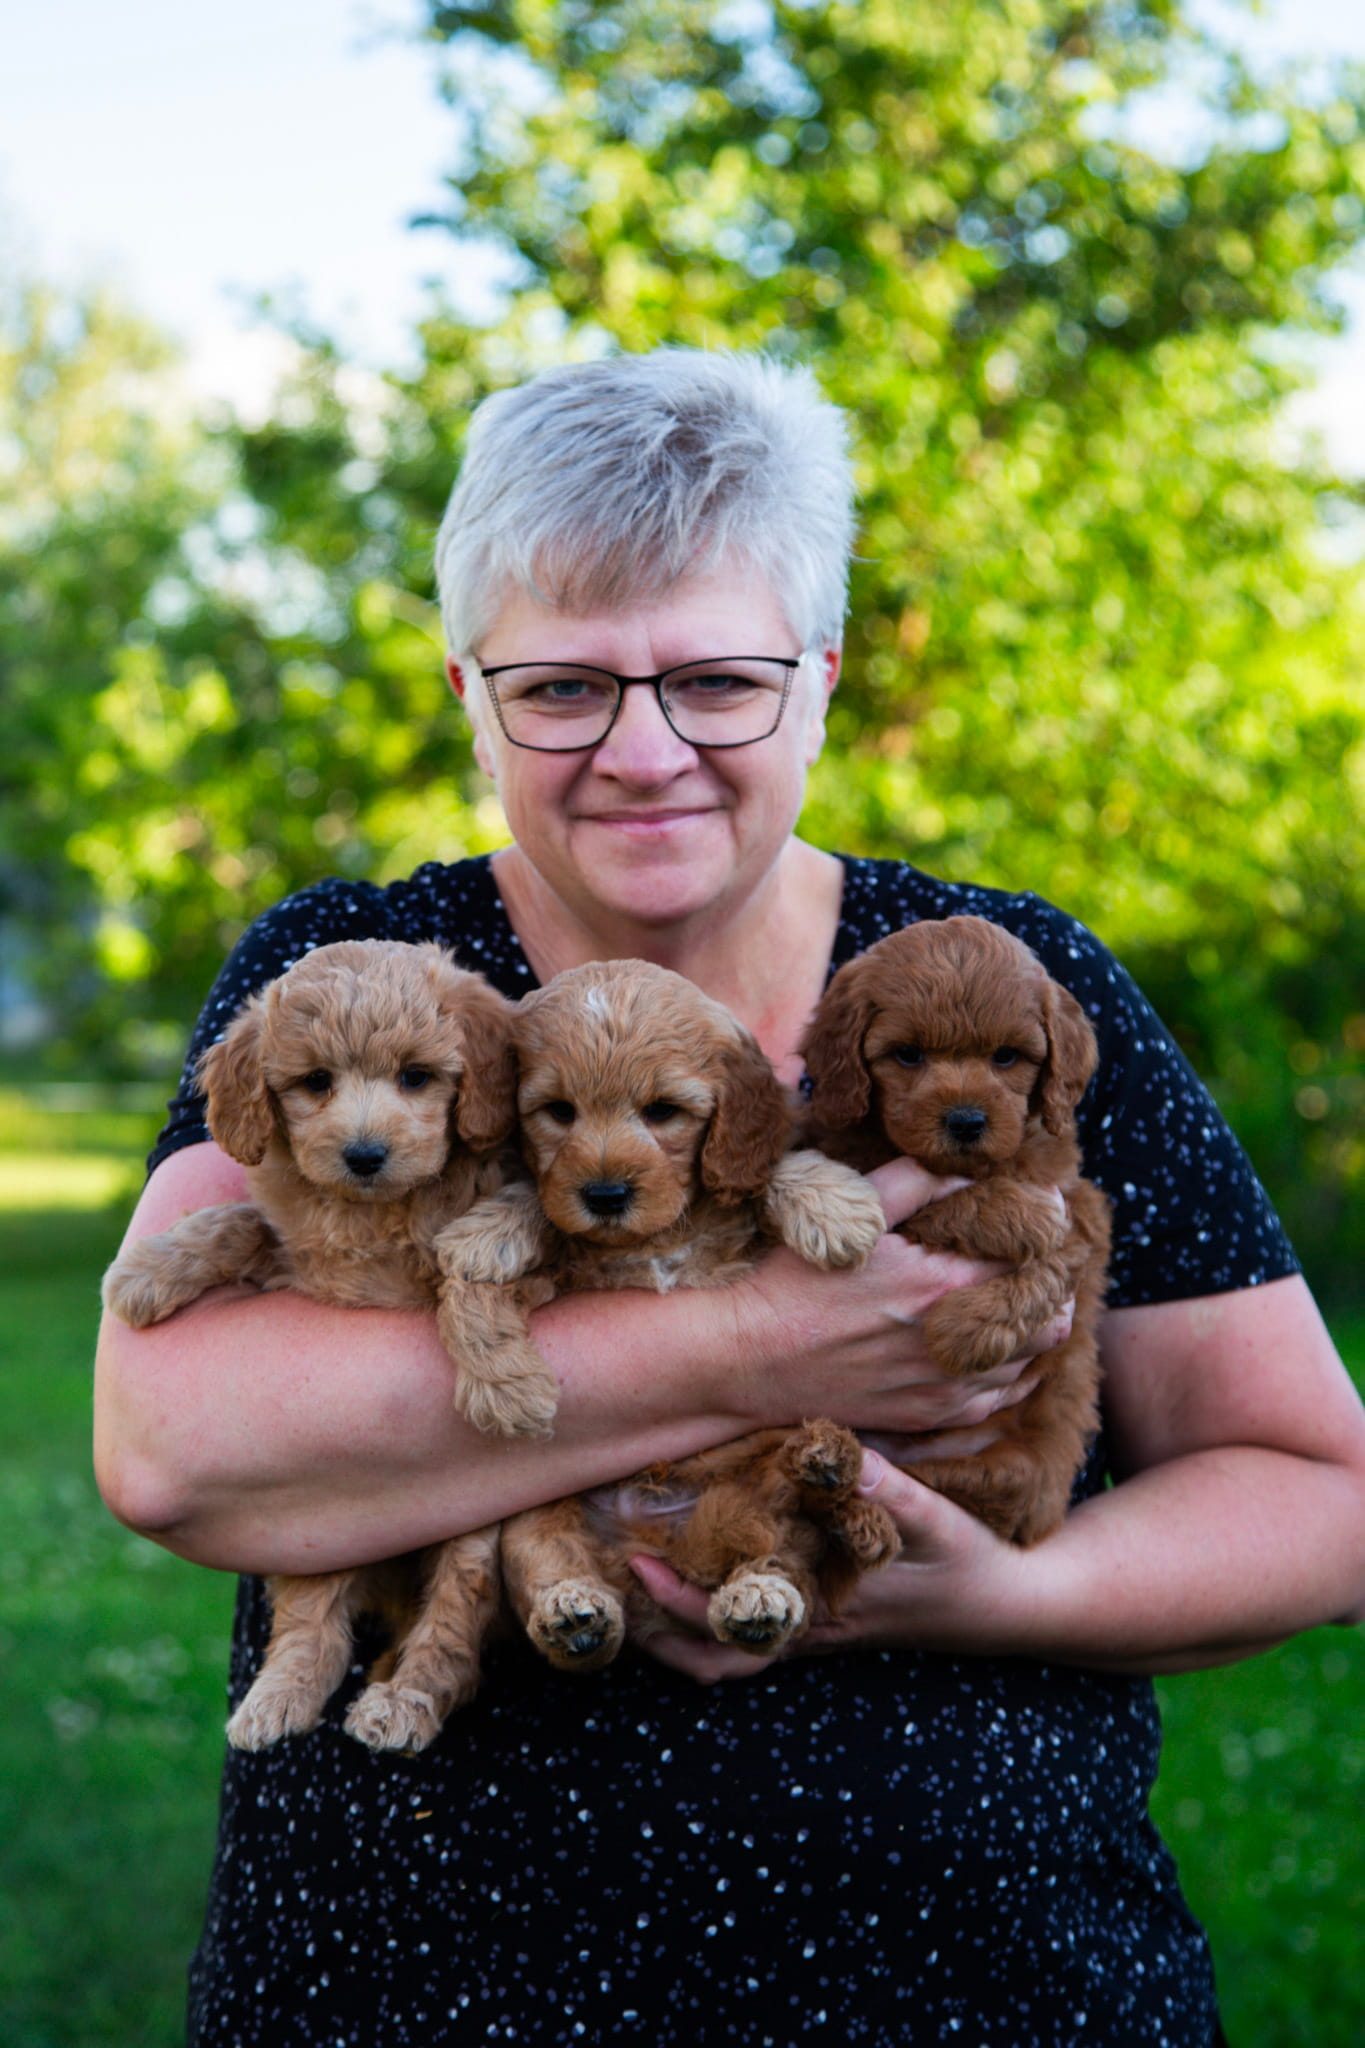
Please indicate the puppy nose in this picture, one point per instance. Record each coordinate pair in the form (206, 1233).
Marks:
(607, 1197)
(964, 1126)
(365, 1157)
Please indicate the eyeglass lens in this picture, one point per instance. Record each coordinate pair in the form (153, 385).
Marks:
(709, 703)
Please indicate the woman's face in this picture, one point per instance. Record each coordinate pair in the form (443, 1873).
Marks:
(644, 826)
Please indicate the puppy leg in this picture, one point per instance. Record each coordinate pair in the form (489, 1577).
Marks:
(747, 1539)
(1009, 1220)
(499, 1239)
(1014, 1489)
(153, 1278)
(824, 1462)
(764, 1603)
(561, 1588)
(975, 1328)
(436, 1666)
(307, 1658)
(504, 1385)
(824, 1212)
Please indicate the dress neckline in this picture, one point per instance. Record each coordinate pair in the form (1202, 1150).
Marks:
(845, 947)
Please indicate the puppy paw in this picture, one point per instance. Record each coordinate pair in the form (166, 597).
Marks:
(135, 1289)
(758, 1611)
(520, 1401)
(826, 1213)
(577, 1625)
(272, 1709)
(823, 1459)
(963, 1340)
(394, 1717)
(854, 1223)
(869, 1535)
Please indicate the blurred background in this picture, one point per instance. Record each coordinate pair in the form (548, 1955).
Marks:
(1083, 276)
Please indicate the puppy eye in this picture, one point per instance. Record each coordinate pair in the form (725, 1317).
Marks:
(318, 1082)
(1005, 1056)
(562, 1112)
(412, 1078)
(908, 1056)
(659, 1112)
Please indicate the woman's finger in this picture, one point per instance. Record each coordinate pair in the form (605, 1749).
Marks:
(904, 1186)
(702, 1658)
(1051, 1335)
(679, 1599)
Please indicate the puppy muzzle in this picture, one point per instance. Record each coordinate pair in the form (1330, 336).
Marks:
(365, 1157)
(966, 1127)
(606, 1199)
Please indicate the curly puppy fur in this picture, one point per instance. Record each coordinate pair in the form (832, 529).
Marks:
(948, 1042)
(658, 1138)
(369, 1092)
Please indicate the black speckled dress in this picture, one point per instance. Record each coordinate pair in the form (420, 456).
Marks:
(880, 1847)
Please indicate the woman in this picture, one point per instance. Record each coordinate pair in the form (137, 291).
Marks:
(941, 1823)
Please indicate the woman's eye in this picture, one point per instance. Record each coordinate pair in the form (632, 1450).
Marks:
(413, 1078)
(562, 1112)
(1004, 1056)
(318, 1082)
(908, 1056)
(659, 1112)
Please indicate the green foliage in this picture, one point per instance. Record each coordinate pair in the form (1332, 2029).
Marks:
(1097, 647)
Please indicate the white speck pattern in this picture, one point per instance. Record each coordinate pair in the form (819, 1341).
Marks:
(884, 1846)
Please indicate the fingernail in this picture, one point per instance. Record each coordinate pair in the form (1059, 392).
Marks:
(873, 1472)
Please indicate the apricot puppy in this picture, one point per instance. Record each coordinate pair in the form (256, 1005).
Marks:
(658, 1138)
(369, 1092)
(948, 1042)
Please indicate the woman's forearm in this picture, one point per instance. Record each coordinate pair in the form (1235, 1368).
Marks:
(275, 1434)
(272, 1433)
(1198, 1561)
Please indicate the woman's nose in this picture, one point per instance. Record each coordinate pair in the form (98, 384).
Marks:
(642, 746)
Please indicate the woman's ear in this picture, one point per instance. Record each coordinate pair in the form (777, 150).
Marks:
(827, 663)
(241, 1114)
(841, 1086)
(470, 690)
(1072, 1056)
(750, 1126)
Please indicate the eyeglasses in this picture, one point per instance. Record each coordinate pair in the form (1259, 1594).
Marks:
(564, 707)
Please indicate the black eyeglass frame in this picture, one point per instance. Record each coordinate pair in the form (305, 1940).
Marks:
(790, 662)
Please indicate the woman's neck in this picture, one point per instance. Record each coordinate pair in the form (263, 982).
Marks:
(765, 959)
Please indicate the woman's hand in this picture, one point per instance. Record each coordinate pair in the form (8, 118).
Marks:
(848, 1344)
(955, 1586)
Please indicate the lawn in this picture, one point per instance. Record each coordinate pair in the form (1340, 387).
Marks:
(112, 1656)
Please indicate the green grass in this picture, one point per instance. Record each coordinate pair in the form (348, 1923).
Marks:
(112, 1662)
(1260, 1794)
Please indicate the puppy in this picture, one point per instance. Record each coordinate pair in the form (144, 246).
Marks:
(369, 1092)
(949, 1042)
(658, 1138)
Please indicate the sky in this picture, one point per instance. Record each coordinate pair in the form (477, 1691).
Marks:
(196, 156)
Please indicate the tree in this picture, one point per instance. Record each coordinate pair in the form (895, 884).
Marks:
(1096, 643)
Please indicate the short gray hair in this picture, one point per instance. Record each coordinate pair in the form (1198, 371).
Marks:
(599, 485)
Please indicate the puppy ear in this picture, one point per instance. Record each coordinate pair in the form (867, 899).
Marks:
(1072, 1056)
(485, 1107)
(241, 1115)
(841, 1086)
(750, 1125)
